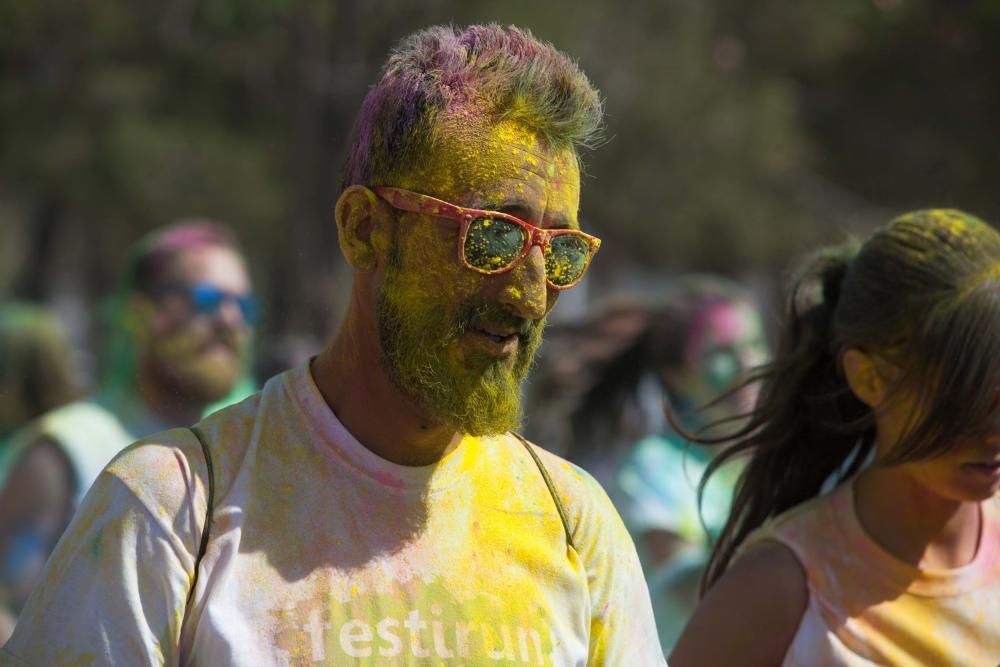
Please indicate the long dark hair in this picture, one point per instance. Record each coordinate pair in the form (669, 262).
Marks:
(924, 294)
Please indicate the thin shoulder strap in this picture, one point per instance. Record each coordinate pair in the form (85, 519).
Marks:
(552, 487)
(208, 511)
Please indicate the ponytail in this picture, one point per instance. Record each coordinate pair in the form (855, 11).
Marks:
(920, 293)
(806, 422)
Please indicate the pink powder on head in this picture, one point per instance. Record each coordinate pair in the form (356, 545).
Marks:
(189, 233)
(156, 252)
(725, 318)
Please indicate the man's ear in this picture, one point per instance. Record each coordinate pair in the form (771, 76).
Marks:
(863, 377)
(362, 227)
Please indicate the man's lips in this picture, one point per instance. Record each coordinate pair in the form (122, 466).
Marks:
(218, 345)
(497, 334)
(495, 340)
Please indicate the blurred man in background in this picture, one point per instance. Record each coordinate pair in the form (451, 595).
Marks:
(373, 504)
(181, 338)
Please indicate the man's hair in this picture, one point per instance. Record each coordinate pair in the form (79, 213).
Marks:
(490, 72)
(153, 256)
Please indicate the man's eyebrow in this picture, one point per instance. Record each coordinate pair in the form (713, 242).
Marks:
(522, 210)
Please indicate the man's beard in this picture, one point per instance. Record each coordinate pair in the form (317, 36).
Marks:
(474, 394)
(182, 368)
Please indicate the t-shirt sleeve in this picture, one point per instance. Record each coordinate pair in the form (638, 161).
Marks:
(622, 629)
(115, 588)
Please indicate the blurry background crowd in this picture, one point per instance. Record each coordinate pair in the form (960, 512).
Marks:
(740, 134)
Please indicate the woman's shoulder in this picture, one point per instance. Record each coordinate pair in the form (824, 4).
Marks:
(992, 509)
(766, 583)
(811, 522)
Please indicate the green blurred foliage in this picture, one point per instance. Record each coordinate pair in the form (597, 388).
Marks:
(740, 132)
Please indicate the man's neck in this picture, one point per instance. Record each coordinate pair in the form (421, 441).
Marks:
(354, 383)
(152, 405)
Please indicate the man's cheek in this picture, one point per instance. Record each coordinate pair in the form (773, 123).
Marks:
(179, 344)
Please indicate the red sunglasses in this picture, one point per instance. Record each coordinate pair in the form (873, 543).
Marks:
(491, 242)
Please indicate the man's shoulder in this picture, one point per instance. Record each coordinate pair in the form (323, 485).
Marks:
(160, 468)
(567, 474)
(168, 460)
(584, 499)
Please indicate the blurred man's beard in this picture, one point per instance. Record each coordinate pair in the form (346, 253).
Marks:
(196, 376)
(473, 394)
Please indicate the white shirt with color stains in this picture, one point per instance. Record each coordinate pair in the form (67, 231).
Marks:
(322, 553)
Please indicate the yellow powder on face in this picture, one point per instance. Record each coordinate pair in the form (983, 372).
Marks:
(485, 167)
(472, 164)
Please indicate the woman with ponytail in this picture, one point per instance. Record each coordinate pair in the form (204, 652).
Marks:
(890, 353)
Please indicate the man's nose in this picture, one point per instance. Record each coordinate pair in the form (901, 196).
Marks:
(523, 290)
(230, 314)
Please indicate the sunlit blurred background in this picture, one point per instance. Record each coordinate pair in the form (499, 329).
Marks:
(740, 133)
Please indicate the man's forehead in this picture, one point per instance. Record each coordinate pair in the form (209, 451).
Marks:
(472, 159)
(218, 264)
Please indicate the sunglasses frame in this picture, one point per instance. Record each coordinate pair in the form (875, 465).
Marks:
(414, 202)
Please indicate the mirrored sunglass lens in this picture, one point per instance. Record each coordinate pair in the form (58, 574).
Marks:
(492, 244)
(566, 259)
(206, 299)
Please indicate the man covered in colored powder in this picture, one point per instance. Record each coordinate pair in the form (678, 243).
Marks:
(372, 506)
(180, 341)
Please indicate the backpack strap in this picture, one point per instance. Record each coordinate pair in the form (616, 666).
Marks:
(203, 547)
(560, 508)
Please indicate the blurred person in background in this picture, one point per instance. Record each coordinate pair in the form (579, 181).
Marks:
(37, 370)
(374, 504)
(700, 340)
(180, 342)
(890, 347)
(37, 374)
(576, 356)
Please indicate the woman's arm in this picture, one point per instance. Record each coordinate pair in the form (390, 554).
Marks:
(750, 616)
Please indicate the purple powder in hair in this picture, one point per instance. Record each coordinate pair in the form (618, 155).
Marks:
(155, 253)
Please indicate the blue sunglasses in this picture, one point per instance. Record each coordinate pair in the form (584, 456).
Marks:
(206, 299)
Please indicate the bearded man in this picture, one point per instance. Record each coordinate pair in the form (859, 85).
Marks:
(372, 506)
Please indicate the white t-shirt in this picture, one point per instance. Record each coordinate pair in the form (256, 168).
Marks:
(323, 553)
